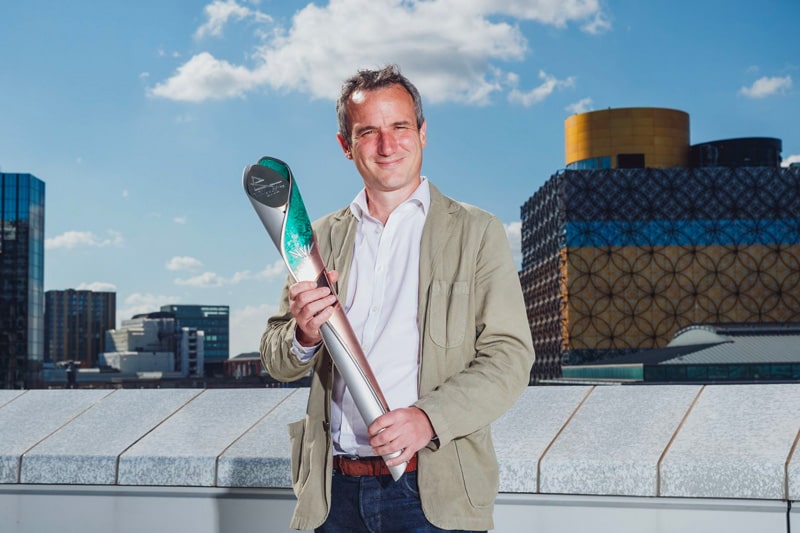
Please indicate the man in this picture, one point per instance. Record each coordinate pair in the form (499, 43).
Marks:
(431, 290)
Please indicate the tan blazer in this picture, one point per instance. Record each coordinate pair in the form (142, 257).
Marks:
(476, 359)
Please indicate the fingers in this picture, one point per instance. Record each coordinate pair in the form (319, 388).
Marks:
(311, 307)
(403, 430)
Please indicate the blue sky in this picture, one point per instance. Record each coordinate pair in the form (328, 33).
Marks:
(140, 116)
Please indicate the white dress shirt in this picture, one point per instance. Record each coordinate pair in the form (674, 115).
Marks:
(381, 304)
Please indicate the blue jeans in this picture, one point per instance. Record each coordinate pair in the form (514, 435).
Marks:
(376, 504)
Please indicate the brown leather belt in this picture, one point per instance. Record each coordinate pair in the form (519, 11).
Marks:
(351, 465)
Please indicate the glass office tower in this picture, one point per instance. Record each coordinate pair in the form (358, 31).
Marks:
(21, 281)
(214, 321)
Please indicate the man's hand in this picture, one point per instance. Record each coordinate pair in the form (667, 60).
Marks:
(407, 430)
(311, 306)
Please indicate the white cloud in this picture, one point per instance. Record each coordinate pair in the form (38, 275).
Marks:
(554, 12)
(277, 270)
(514, 234)
(183, 263)
(76, 239)
(538, 94)
(98, 286)
(163, 53)
(218, 13)
(206, 280)
(204, 77)
(450, 48)
(766, 86)
(125, 193)
(138, 303)
(247, 325)
(180, 220)
(790, 159)
(599, 24)
(581, 106)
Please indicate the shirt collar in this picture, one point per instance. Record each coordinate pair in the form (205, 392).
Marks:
(421, 197)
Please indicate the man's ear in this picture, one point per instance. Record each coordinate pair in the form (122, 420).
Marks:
(345, 146)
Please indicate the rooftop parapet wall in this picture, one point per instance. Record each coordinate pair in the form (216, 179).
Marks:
(716, 441)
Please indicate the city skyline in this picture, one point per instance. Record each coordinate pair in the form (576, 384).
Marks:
(140, 121)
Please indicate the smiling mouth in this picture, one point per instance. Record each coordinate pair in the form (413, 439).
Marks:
(389, 162)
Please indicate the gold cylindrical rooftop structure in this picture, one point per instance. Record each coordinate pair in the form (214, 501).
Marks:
(631, 137)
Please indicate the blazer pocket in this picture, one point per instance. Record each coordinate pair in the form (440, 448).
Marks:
(447, 312)
(299, 455)
(478, 462)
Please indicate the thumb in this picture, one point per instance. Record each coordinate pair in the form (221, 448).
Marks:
(333, 276)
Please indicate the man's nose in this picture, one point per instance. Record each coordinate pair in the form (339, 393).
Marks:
(387, 143)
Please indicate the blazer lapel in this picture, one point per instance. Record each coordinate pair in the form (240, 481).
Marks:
(438, 228)
(343, 237)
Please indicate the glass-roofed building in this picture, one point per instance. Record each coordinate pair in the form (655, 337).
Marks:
(706, 353)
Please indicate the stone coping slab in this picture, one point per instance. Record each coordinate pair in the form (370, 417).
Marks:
(524, 433)
(9, 395)
(183, 450)
(715, 441)
(735, 443)
(33, 416)
(613, 444)
(261, 457)
(85, 451)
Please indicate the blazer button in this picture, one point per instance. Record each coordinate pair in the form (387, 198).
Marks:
(326, 425)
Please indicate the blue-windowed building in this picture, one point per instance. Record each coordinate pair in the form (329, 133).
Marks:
(214, 321)
(21, 280)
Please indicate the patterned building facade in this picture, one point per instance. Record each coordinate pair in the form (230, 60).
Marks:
(618, 259)
(76, 322)
(21, 280)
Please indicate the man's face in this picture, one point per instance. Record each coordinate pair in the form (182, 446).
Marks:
(386, 145)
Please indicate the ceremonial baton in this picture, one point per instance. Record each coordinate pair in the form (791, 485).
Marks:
(272, 190)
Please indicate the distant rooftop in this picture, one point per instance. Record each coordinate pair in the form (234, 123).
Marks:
(738, 343)
(708, 353)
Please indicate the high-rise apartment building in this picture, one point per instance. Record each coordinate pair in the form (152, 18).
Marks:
(21, 280)
(643, 234)
(213, 320)
(75, 324)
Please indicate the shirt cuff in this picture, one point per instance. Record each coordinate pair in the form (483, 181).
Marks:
(304, 353)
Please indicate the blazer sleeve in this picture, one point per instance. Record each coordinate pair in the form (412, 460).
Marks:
(276, 344)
